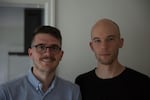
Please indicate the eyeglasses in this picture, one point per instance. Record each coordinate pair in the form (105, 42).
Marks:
(42, 48)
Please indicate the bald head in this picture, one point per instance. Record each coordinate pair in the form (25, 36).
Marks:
(105, 25)
(105, 39)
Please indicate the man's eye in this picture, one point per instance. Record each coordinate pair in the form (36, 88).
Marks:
(110, 39)
(41, 47)
(97, 41)
(55, 48)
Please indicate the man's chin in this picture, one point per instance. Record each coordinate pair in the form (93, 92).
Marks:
(106, 62)
(48, 70)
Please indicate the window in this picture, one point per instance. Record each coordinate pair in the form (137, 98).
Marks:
(33, 17)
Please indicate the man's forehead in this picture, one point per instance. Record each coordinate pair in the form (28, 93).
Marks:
(105, 33)
(104, 36)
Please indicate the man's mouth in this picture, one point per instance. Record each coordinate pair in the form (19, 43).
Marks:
(48, 59)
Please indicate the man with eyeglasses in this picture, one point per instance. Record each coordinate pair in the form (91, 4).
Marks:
(42, 83)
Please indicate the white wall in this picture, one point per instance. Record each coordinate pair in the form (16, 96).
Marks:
(75, 18)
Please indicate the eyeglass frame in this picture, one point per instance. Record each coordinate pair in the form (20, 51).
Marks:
(53, 48)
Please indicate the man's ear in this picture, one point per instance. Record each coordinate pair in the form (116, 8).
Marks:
(30, 52)
(91, 45)
(121, 42)
(62, 53)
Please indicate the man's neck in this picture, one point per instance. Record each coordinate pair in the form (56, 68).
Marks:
(109, 71)
(44, 77)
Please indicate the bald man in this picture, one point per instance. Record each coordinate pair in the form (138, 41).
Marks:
(110, 80)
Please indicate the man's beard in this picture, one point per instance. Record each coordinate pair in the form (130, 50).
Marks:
(108, 60)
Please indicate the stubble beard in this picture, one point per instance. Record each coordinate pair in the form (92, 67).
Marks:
(43, 68)
(107, 61)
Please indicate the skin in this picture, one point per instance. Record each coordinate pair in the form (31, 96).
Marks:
(45, 64)
(105, 43)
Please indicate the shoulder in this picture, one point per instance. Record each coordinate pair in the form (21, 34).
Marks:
(12, 88)
(85, 76)
(136, 74)
(62, 83)
(13, 84)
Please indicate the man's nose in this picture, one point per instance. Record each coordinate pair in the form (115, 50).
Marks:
(48, 51)
(104, 45)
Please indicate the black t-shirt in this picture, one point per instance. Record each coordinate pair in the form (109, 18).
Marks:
(129, 85)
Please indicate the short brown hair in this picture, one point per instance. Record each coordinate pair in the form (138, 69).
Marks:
(53, 31)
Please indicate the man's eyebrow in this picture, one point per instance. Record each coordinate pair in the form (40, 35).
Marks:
(40, 44)
(112, 36)
(107, 36)
(54, 45)
(95, 38)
